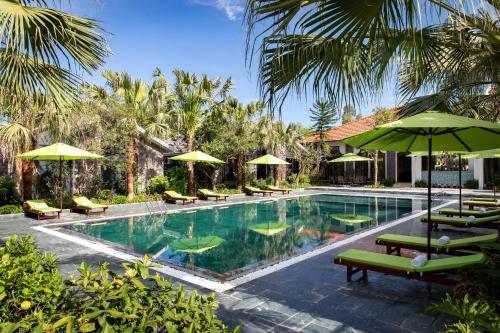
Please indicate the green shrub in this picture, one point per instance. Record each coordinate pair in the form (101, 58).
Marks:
(105, 195)
(292, 178)
(260, 183)
(471, 183)
(389, 182)
(36, 299)
(304, 179)
(420, 183)
(270, 180)
(10, 209)
(119, 199)
(177, 178)
(158, 184)
(7, 191)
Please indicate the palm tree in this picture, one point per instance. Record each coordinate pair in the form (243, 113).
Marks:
(328, 47)
(40, 48)
(196, 97)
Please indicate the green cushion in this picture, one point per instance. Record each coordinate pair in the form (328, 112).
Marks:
(451, 263)
(205, 191)
(472, 240)
(173, 194)
(462, 220)
(255, 189)
(82, 201)
(47, 210)
(482, 199)
(468, 212)
(37, 204)
(482, 203)
(422, 241)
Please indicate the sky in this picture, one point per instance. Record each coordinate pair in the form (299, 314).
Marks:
(200, 36)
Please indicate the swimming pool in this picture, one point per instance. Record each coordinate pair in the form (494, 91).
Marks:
(224, 241)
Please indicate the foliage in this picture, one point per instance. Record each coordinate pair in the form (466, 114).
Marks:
(7, 191)
(420, 183)
(158, 184)
(323, 116)
(349, 113)
(10, 209)
(35, 298)
(270, 180)
(471, 183)
(177, 178)
(389, 182)
(119, 200)
(474, 315)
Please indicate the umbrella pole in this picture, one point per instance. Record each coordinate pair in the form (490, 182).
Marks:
(460, 185)
(60, 182)
(429, 182)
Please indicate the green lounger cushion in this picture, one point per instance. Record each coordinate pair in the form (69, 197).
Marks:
(207, 192)
(422, 241)
(176, 195)
(468, 212)
(40, 206)
(482, 199)
(275, 188)
(255, 189)
(404, 264)
(482, 203)
(462, 220)
(86, 203)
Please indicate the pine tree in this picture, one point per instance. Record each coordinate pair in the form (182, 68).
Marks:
(323, 116)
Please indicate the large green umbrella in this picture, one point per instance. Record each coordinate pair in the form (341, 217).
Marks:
(350, 157)
(268, 160)
(197, 245)
(429, 131)
(58, 152)
(492, 153)
(196, 156)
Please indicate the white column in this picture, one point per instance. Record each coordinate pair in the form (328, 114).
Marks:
(479, 172)
(416, 169)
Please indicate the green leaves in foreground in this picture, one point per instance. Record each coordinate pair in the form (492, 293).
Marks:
(35, 299)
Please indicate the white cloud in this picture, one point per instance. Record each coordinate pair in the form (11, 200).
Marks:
(232, 8)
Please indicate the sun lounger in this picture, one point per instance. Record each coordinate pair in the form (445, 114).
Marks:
(278, 189)
(482, 203)
(394, 243)
(173, 197)
(469, 212)
(435, 270)
(488, 222)
(41, 210)
(250, 190)
(483, 199)
(82, 204)
(204, 194)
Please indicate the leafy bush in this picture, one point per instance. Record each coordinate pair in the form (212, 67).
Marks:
(10, 209)
(105, 195)
(292, 178)
(270, 180)
(420, 183)
(177, 178)
(36, 299)
(119, 199)
(158, 184)
(260, 183)
(471, 183)
(389, 182)
(7, 191)
(304, 179)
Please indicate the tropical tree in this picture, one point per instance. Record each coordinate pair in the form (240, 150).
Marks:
(350, 49)
(323, 116)
(196, 98)
(349, 113)
(382, 116)
(40, 48)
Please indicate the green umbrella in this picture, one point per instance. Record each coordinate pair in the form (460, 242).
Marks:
(269, 229)
(58, 152)
(429, 131)
(197, 245)
(350, 157)
(268, 160)
(196, 156)
(492, 153)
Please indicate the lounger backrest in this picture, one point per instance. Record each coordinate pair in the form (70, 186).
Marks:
(205, 191)
(36, 204)
(251, 188)
(82, 201)
(172, 194)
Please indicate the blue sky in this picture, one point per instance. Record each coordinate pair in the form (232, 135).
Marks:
(201, 36)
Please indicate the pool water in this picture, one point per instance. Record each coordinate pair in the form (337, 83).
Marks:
(224, 241)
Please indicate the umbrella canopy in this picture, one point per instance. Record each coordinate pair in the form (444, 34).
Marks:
(197, 245)
(350, 157)
(491, 153)
(269, 229)
(196, 156)
(57, 152)
(269, 160)
(430, 131)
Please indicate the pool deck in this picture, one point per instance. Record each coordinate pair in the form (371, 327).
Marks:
(309, 296)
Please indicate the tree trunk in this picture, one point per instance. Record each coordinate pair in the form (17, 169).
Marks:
(215, 176)
(190, 166)
(27, 178)
(240, 171)
(18, 168)
(131, 154)
(375, 169)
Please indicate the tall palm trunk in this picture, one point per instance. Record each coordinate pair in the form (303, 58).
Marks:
(190, 165)
(375, 169)
(27, 170)
(131, 153)
(240, 170)
(214, 178)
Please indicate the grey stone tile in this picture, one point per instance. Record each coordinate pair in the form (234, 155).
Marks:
(272, 311)
(298, 321)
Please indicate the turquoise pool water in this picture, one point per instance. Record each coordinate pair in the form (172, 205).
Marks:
(225, 241)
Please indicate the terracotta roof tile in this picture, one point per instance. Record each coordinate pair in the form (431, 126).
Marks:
(345, 130)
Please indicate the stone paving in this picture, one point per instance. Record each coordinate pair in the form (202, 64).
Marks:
(310, 296)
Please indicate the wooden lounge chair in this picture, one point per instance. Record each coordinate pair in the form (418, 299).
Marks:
(483, 199)
(394, 243)
(278, 189)
(41, 210)
(482, 203)
(469, 212)
(250, 190)
(436, 270)
(82, 204)
(204, 194)
(173, 197)
(487, 222)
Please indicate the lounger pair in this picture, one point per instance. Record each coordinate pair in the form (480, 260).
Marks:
(82, 204)
(41, 210)
(488, 222)
(250, 190)
(435, 270)
(278, 189)
(469, 212)
(205, 194)
(173, 197)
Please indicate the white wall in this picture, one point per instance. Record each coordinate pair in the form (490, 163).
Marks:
(416, 169)
(478, 169)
